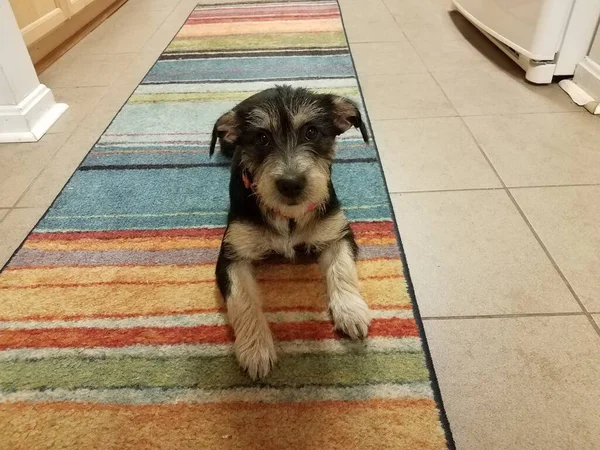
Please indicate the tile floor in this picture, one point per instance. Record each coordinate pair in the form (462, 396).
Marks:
(495, 184)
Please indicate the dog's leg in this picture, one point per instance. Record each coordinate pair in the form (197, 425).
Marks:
(349, 311)
(254, 347)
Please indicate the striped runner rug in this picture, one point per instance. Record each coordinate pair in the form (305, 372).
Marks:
(112, 332)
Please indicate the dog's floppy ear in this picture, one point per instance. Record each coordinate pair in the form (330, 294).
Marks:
(346, 115)
(226, 129)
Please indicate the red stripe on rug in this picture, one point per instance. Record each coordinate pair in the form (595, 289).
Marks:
(203, 334)
(357, 227)
(267, 16)
(256, 11)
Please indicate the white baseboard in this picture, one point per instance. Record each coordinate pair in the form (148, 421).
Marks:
(587, 77)
(31, 118)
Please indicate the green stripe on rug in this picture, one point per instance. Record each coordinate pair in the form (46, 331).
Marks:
(332, 39)
(210, 372)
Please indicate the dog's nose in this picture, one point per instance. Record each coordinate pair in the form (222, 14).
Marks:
(291, 187)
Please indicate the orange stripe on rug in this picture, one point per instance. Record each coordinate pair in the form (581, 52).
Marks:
(275, 26)
(77, 276)
(369, 424)
(202, 334)
(21, 304)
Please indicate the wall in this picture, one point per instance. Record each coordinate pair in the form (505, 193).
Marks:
(595, 50)
(587, 72)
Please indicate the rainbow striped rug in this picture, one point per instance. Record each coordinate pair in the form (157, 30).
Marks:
(112, 333)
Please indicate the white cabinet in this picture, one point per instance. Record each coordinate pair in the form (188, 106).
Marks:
(545, 37)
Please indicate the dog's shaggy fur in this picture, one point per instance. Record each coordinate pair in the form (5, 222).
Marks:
(282, 142)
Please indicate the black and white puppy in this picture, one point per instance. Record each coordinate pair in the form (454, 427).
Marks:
(282, 141)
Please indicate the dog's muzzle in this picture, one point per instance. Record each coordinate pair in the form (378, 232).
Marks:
(291, 187)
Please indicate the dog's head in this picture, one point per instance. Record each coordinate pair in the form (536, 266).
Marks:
(286, 137)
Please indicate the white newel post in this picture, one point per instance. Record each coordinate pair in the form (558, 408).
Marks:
(27, 108)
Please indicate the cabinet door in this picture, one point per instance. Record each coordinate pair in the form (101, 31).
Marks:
(39, 17)
(77, 5)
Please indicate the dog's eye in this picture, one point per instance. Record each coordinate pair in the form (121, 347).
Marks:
(311, 133)
(262, 140)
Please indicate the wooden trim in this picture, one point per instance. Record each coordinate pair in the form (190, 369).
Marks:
(65, 5)
(44, 25)
(77, 5)
(52, 46)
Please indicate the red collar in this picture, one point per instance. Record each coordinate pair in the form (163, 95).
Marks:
(246, 180)
(248, 185)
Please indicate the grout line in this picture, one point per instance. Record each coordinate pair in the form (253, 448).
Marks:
(84, 86)
(351, 43)
(433, 191)
(156, 30)
(43, 169)
(466, 116)
(4, 216)
(504, 316)
(406, 37)
(555, 264)
(532, 113)
(388, 119)
(535, 235)
(428, 70)
(553, 186)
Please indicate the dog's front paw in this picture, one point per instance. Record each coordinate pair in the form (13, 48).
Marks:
(350, 315)
(257, 354)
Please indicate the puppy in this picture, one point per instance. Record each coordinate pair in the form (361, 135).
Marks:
(282, 142)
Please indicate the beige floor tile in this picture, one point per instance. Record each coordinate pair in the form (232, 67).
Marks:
(500, 88)
(21, 163)
(110, 104)
(14, 229)
(3, 213)
(418, 11)
(567, 219)
(137, 70)
(431, 154)
(541, 149)
(161, 38)
(75, 69)
(153, 4)
(441, 27)
(126, 31)
(384, 58)
(406, 96)
(369, 23)
(471, 253)
(475, 50)
(55, 175)
(81, 101)
(527, 383)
